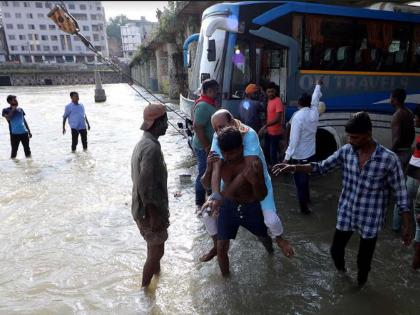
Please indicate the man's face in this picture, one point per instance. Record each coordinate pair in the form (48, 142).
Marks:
(219, 122)
(271, 93)
(75, 98)
(358, 140)
(14, 102)
(393, 101)
(162, 126)
(233, 155)
(212, 92)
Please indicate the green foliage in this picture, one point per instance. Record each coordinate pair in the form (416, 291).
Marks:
(113, 27)
(142, 55)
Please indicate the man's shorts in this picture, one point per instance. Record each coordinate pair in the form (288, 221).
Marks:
(151, 238)
(232, 215)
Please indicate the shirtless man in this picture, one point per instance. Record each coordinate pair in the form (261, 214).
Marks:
(243, 189)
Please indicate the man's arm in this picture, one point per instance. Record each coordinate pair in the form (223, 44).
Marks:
(316, 95)
(9, 115)
(254, 174)
(27, 127)
(87, 122)
(201, 134)
(396, 181)
(64, 125)
(396, 133)
(206, 179)
(295, 130)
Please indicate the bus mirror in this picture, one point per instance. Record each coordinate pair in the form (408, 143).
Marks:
(211, 50)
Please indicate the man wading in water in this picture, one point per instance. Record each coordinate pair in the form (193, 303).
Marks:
(243, 189)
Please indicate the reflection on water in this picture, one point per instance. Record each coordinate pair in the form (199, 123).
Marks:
(68, 243)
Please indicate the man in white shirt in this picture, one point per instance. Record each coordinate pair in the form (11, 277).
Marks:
(301, 149)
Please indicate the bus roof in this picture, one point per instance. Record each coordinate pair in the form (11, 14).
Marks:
(288, 7)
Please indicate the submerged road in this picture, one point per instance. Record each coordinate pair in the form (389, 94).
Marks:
(68, 244)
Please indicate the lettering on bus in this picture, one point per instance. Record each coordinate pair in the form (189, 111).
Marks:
(351, 82)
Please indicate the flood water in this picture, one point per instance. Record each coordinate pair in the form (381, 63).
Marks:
(68, 244)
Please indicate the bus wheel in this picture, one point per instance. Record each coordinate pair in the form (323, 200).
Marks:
(325, 144)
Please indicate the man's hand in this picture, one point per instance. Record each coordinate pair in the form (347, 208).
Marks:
(64, 131)
(30, 134)
(285, 247)
(88, 127)
(283, 168)
(214, 206)
(213, 157)
(407, 229)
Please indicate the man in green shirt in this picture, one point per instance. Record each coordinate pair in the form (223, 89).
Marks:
(203, 109)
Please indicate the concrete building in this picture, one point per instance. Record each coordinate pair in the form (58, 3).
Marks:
(34, 38)
(133, 35)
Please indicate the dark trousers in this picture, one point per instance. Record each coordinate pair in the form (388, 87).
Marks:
(200, 192)
(15, 139)
(364, 256)
(271, 148)
(75, 138)
(302, 184)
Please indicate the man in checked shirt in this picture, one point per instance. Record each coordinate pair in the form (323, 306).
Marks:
(369, 172)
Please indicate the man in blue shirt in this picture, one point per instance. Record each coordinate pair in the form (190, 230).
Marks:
(75, 112)
(18, 127)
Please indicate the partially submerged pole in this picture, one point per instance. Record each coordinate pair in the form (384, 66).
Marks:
(99, 91)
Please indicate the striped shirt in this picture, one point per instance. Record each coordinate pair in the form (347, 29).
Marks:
(364, 196)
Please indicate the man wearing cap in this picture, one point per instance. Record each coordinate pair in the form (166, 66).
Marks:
(301, 149)
(150, 192)
(250, 108)
(18, 127)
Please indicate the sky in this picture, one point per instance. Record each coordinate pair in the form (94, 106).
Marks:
(133, 9)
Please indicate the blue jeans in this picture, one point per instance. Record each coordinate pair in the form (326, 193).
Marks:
(271, 148)
(302, 185)
(412, 186)
(200, 192)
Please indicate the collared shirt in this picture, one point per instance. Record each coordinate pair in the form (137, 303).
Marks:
(304, 124)
(149, 176)
(364, 196)
(76, 115)
(17, 122)
(202, 116)
(274, 106)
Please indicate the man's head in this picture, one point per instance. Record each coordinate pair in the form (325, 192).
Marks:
(359, 130)
(221, 119)
(305, 100)
(230, 143)
(271, 90)
(155, 119)
(398, 97)
(210, 88)
(251, 91)
(11, 99)
(74, 97)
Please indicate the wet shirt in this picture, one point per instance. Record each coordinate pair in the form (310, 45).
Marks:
(76, 115)
(149, 176)
(364, 196)
(249, 113)
(202, 116)
(17, 122)
(252, 147)
(274, 106)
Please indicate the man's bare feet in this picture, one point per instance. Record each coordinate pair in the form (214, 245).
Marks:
(209, 256)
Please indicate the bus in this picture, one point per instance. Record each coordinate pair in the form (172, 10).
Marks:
(362, 54)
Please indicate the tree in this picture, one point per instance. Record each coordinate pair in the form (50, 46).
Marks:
(113, 27)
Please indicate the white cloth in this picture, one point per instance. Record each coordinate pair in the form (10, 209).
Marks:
(415, 161)
(210, 222)
(304, 124)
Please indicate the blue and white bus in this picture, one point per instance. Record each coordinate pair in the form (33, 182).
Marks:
(361, 53)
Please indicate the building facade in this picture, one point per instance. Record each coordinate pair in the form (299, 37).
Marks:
(133, 35)
(32, 37)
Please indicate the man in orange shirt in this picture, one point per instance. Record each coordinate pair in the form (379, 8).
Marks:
(273, 128)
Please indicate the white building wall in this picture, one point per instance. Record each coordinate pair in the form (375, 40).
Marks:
(32, 37)
(132, 36)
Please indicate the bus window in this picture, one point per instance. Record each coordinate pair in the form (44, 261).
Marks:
(241, 74)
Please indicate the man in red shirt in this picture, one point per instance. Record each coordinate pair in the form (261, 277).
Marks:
(273, 128)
